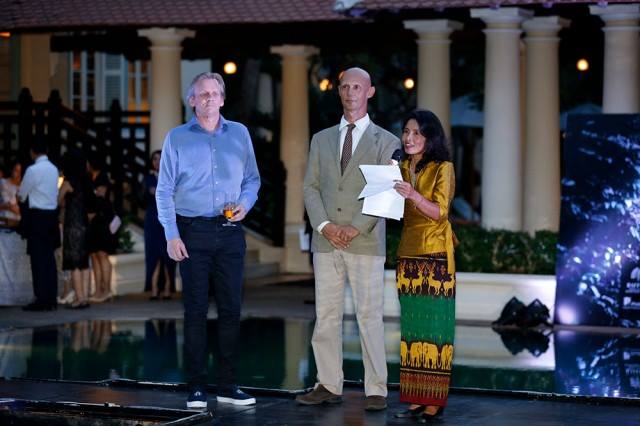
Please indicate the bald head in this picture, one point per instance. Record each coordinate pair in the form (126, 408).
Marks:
(355, 91)
(355, 71)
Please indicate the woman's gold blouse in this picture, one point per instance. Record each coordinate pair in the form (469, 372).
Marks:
(421, 234)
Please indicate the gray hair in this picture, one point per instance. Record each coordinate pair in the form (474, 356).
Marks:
(204, 76)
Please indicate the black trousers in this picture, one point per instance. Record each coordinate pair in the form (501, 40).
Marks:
(216, 254)
(43, 237)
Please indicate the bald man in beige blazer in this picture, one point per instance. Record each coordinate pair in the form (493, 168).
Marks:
(347, 245)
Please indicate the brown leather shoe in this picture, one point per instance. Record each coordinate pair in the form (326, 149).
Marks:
(375, 403)
(317, 396)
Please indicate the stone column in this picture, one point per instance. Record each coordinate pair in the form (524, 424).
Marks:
(166, 99)
(542, 127)
(434, 68)
(294, 147)
(621, 90)
(502, 148)
(35, 65)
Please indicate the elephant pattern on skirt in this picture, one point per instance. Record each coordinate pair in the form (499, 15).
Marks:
(426, 355)
(404, 352)
(446, 356)
(422, 278)
(426, 286)
(416, 354)
(429, 355)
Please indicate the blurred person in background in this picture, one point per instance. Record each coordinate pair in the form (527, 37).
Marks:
(39, 225)
(160, 268)
(76, 197)
(9, 209)
(102, 242)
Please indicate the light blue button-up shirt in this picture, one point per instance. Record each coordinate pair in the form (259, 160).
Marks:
(198, 168)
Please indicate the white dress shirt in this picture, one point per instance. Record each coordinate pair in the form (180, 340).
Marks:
(356, 135)
(40, 185)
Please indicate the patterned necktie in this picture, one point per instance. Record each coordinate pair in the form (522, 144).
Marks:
(346, 147)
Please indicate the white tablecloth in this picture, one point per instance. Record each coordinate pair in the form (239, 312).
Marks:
(15, 270)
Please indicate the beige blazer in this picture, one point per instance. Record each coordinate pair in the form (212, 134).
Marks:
(329, 195)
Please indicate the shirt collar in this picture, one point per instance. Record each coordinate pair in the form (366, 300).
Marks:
(41, 159)
(194, 125)
(361, 124)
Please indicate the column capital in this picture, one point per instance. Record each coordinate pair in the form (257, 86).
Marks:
(504, 17)
(618, 14)
(301, 50)
(427, 28)
(166, 37)
(544, 28)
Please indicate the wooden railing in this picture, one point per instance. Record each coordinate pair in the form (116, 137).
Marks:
(129, 134)
(123, 145)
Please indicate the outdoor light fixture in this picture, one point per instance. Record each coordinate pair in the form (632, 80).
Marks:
(582, 65)
(409, 83)
(230, 68)
(325, 85)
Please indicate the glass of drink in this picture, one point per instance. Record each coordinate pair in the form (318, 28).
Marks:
(230, 202)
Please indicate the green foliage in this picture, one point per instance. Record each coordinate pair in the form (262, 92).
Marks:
(544, 249)
(511, 252)
(496, 251)
(125, 239)
(475, 251)
(394, 228)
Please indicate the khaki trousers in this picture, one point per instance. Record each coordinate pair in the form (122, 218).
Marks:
(365, 274)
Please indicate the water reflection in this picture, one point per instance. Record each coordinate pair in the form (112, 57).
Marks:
(160, 349)
(594, 364)
(277, 353)
(44, 362)
(520, 339)
(98, 350)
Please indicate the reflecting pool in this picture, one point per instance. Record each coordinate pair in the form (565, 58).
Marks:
(276, 353)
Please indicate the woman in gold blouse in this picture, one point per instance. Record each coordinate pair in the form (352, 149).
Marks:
(426, 271)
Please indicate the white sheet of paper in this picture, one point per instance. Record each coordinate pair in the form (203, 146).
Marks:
(380, 199)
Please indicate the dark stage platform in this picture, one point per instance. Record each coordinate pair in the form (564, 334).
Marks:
(276, 407)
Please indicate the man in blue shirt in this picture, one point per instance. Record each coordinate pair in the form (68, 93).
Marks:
(206, 163)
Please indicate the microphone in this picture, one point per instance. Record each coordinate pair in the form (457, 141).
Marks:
(396, 157)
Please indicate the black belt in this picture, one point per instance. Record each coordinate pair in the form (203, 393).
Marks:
(187, 219)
